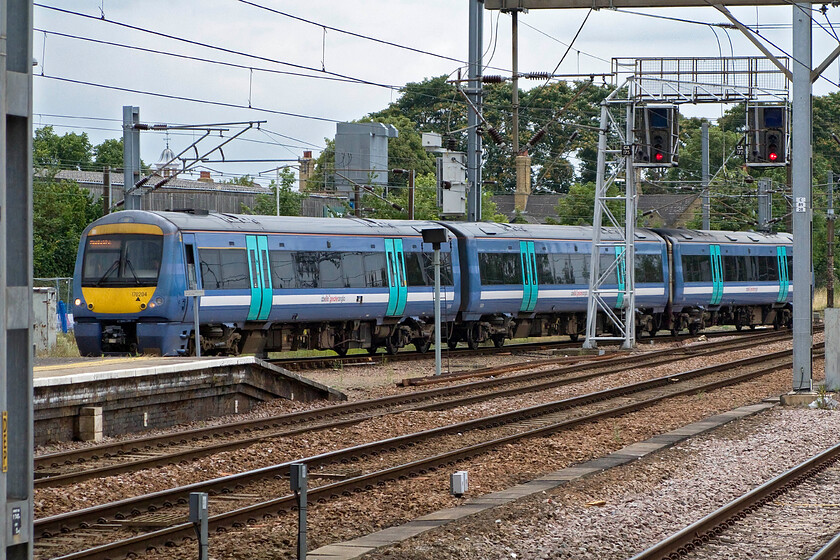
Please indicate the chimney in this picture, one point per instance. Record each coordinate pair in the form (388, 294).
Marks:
(307, 168)
(205, 177)
(523, 181)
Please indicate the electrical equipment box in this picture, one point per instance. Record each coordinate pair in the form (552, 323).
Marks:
(459, 483)
(655, 129)
(198, 506)
(452, 183)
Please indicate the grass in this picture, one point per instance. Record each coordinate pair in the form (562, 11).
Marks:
(65, 347)
(821, 299)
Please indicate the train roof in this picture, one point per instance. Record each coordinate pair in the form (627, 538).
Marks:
(245, 223)
(540, 231)
(724, 237)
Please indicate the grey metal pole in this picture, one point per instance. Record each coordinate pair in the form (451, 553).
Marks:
(196, 303)
(199, 518)
(411, 194)
(764, 204)
(277, 190)
(298, 481)
(514, 95)
(830, 234)
(704, 148)
(629, 239)
(131, 157)
(802, 208)
(436, 262)
(474, 93)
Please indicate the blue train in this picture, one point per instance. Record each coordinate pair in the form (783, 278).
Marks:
(284, 283)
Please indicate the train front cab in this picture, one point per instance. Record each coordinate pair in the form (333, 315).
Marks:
(124, 281)
(730, 278)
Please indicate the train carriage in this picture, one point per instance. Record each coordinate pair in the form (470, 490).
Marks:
(533, 280)
(730, 278)
(270, 283)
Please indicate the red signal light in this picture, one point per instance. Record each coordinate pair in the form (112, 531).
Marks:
(772, 156)
(659, 156)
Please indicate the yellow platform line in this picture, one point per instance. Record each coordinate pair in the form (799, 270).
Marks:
(87, 364)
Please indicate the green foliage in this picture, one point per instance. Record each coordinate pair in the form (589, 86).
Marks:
(71, 150)
(109, 152)
(289, 200)
(575, 209)
(61, 211)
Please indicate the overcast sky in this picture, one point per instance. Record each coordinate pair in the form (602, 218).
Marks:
(313, 104)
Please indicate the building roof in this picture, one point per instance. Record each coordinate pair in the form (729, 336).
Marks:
(89, 178)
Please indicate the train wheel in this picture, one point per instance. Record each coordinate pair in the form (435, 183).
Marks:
(472, 337)
(694, 329)
(373, 350)
(341, 350)
(452, 344)
(422, 344)
(498, 340)
(391, 346)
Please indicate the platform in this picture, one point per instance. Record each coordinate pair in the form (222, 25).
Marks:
(142, 393)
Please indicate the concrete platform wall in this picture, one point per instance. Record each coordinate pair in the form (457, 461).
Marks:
(162, 396)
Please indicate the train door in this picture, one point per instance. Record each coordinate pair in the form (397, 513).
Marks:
(528, 258)
(717, 274)
(191, 269)
(784, 280)
(260, 274)
(397, 285)
(620, 274)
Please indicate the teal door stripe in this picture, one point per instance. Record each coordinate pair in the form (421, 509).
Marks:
(265, 275)
(620, 270)
(255, 277)
(717, 274)
(397, 289)
(784, 281)
(528, 260)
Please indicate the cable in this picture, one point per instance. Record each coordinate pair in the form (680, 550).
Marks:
(200, 59)
(207, 45)
(564, 44)
(190, 99)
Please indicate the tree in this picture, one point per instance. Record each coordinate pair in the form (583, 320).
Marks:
(61, 210)
(70, 151)
(289, 200)
(109, 152)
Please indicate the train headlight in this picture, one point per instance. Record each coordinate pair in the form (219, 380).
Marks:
(90, 306)
(159, 300)
(78, 301)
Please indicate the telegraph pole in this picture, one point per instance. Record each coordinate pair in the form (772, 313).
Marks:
(704, 148)
(830, 235)
(131, 158)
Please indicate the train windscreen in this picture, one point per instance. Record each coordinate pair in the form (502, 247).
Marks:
(122, 260)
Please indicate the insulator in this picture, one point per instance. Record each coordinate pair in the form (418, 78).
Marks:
(537, 75)
(493, 79)
(494, 134)
(451, 144)
(537, 137)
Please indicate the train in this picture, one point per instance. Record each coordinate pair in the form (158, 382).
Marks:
(281, 283)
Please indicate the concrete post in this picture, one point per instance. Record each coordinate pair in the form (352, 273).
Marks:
(832, 349)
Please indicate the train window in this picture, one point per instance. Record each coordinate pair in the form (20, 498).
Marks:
(414, 270)
(192, 282)
(735, 268)
(224, 269)
(445, 268)
(353, 268)
(329, 270)
(605, 262)
(697, 268)
(768, 270)
(282, 270)
(375, 274)
(500, 268)
(545, 269)
(307, 269)
(649, 268)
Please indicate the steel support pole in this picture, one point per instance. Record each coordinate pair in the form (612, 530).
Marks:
(629, 303)
(475, 95)
(704, 148)
(830, 235)
(514, 94)
(802, 208)
(131, 158)
(436, 263)
(16, 396)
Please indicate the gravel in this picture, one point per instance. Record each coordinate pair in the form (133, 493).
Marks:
(644, 502)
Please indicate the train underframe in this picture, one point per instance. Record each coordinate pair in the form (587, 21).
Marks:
(341, 336)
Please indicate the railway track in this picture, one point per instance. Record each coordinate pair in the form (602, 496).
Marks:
(100, 461)
(787, 517)
(112, 529)
(322, 362)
